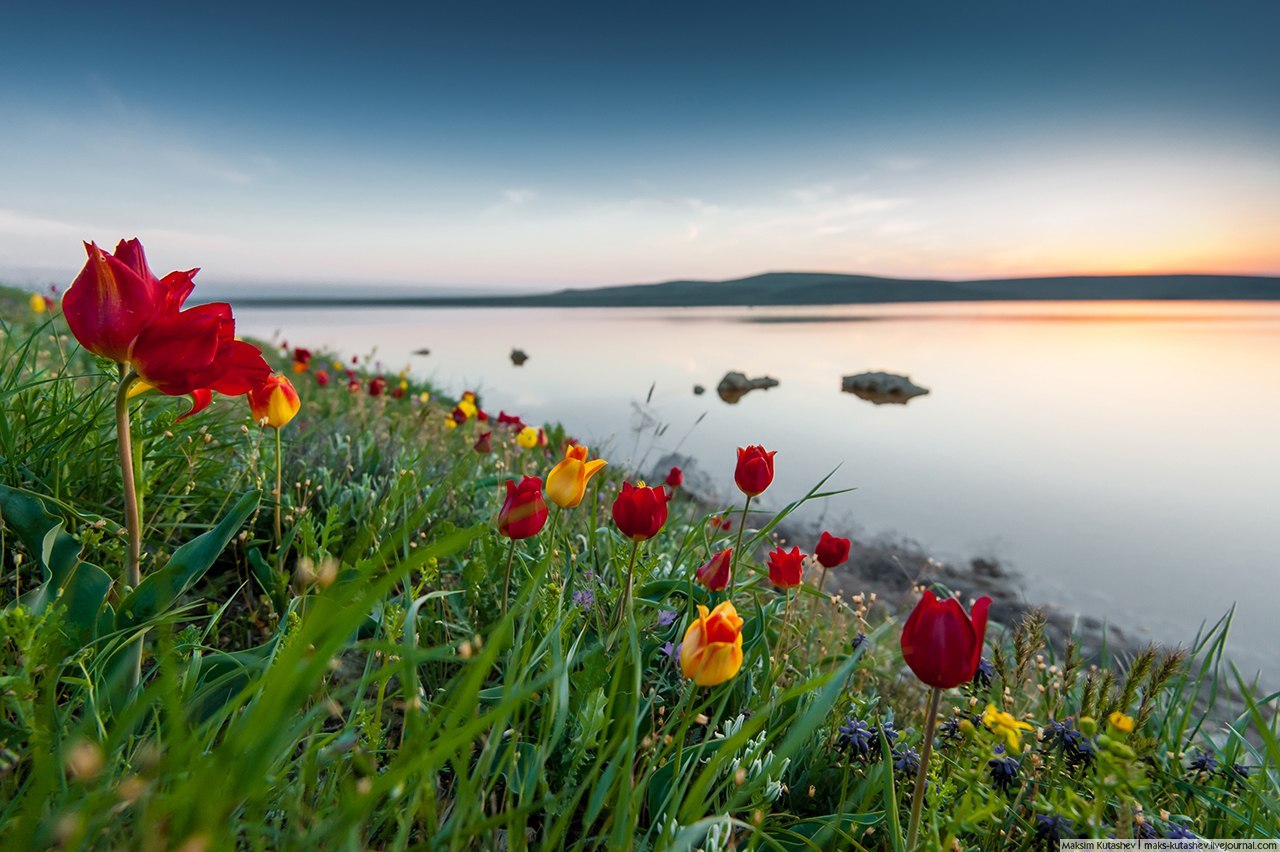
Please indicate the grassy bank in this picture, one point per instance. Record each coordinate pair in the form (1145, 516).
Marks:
(367, 680)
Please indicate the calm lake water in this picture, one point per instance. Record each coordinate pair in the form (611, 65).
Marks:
(1122, 456)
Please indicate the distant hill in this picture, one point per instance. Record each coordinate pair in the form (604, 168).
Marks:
(816, 288)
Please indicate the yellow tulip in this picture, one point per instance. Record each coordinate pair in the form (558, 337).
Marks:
(712, 649)
(528, 437)
(38, 305)
(467, 407)
(1005, 725)
(567, 481)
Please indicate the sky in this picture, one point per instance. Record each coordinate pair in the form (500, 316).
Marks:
(531, 145)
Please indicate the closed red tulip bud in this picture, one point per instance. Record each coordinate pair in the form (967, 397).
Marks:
(302, 356)
(831, 551)
(640, 511)
(274, 402)
(542, 438)
(484, 444)
(715, 574)
(505, 419)
(322, 378)
(754, 472)
(397, 392)
(524, 512)
(675, 478)
(942, 644)
(377, 385)
(786, 568)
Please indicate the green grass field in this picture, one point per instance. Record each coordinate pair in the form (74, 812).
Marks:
(362, 682)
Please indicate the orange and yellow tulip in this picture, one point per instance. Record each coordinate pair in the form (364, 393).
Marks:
(274, 402)
(712, 649)
(567, 481)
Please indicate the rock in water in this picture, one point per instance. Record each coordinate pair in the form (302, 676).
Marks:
(734, 386)
(518, 357)
(422, 352)
(881, 387)
(699, 390)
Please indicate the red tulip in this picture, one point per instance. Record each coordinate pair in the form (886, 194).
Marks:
(505, 419)
(397, 392)
(377, 385)
(941, 644)
(322, 378)
(754, 472)
(675, 477)
(640, 511)
(786, 568)
(715, 574)
(524, 512)
(831, 551)
(484, 444)
(116, 296)
(353, 385)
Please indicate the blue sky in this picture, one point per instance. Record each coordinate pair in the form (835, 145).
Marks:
(531, 145)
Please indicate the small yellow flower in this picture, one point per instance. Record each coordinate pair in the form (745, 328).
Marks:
(450, 423)
(339, 366)
(1121, 722)
(1005, 725)
(404, 385)
(528, 437)
(424, 397)
(38, 305)
(567, 481)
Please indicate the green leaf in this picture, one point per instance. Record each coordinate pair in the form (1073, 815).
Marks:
(161, 588)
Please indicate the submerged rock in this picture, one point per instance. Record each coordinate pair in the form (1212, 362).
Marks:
(699, 390)
(734, 386)
(518, 357)
(881, 387)
(422, 352)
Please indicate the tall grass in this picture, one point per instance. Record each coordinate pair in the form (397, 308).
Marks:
(358, 686)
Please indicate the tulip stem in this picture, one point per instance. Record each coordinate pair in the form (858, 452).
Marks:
(132, 517)
(813, 612)
(279, 489)
(624, 604)
(506, 583)
(737, 549)
(926, 750)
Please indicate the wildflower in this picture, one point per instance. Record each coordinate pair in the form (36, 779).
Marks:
(640, 511)
(831, 551)
(584, 598)
(721, 522)
(906, 762)
(949, 731)
(524, 512)
(984, 673)
(1052, 829)
(484, 444)
(301, 359)
(672, 650)
(786, 568)
(859, 640)
(715, 574)
(397, 392)
(1004, 770)
(754, 472)
(858, 739)
(377, 385)
(542, 438)
(424, 398)
(1204, 762)
(116, 296)
(667, 617)
(39, 304)
(712, 649)
(1121, 722)
(1005, 725)
(941, 644)
(675, 478)
(567, 481)
(505, 419)
(1237, 772)
(527, 437)
(353, 385)
(321, 377)
(274, 402)
(338, 366)
(465, 410)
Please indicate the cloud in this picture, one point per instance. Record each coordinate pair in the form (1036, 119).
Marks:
(516, 197)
